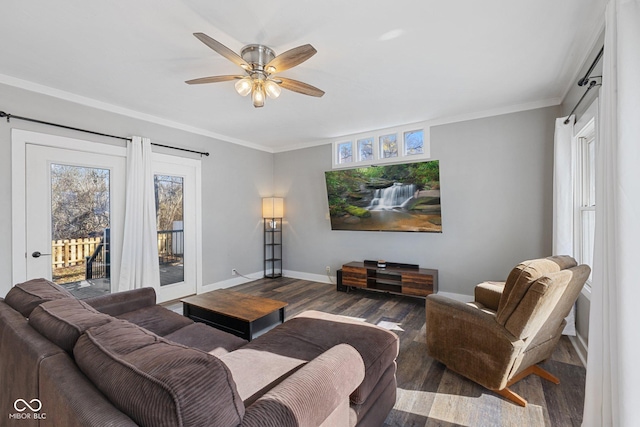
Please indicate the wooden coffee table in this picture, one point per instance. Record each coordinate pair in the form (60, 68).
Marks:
(246, 316)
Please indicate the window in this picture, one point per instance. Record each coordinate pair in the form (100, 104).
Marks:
(365, 149)
(382, 146)
(345, 152)
(170, 225)
(585, 207)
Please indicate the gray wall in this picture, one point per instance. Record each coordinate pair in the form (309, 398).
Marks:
(495, 179)
(234, 179)
(496, 183)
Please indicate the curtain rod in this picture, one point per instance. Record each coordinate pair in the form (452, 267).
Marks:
(27, 119)
(591, 86)
(583, 81)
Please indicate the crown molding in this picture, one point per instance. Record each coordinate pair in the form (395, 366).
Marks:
(90, 102)
(552, 102)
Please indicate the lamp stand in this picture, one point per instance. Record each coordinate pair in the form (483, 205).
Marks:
(272, 248)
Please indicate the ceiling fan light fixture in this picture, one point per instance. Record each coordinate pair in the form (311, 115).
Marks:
(272, 89)
(257, 95)
(243, 86)
(260, 62)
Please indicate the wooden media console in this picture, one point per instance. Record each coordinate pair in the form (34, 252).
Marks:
(405, 279)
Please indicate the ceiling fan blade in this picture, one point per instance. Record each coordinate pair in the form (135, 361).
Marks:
(290, 58)
(223, 50)
(212, 79)
(303, 88)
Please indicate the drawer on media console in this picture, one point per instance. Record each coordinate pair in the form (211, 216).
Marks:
(354, 276)
(417, 284)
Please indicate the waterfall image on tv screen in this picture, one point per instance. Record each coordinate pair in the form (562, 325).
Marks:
(402, 197)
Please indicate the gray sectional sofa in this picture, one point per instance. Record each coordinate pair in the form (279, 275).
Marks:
(123, 360)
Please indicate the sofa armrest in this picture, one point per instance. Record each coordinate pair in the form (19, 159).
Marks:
(311, 394)
(470, 341)
(488, 294)
(123, 302)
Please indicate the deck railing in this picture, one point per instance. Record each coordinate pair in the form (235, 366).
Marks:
(98, 265)
(170, 246)
(94, 253)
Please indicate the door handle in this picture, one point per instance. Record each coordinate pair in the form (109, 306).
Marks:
(37, 254)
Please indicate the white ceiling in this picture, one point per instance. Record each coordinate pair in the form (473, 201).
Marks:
(381, 63)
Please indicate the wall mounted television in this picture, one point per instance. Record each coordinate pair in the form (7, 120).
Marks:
(400, 197)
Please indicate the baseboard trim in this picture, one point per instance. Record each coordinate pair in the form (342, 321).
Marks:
(234, 281)
(581, 348)
(322, 278)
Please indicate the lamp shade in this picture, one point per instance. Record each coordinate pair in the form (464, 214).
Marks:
(272, 207)
(257, 95)
(243, 86)
(272, 89)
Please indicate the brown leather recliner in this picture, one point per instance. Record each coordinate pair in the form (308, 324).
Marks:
(511, 326)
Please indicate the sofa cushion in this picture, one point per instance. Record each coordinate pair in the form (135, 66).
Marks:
(157, 319)
(157, 382)
(304, 338)
(24, 297)
(63, 321)
(377, 346)
(123, 302)
(206, 338)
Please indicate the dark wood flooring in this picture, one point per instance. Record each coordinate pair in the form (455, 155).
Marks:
(428, 393)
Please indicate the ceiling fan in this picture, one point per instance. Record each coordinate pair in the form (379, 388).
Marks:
(261, 63)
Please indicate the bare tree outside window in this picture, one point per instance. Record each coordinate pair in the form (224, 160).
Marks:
(170, 221)
(80, 216)
(79, 201)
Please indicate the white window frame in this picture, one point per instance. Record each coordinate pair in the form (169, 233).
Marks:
(585, 133)
(402, 157)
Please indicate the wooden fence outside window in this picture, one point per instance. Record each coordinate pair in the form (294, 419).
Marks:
(71, 252)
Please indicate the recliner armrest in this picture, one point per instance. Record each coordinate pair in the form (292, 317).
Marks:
(123, 302)
(470, 341)
(312, 394)
(488, 294)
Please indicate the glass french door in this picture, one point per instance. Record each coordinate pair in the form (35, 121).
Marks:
(74, 206)
(169, 194)
(176, 183)
(68, 198)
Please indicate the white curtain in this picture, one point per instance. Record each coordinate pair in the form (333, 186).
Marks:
(613, 368)
(563, 172)
(139, 265)
(563, 198)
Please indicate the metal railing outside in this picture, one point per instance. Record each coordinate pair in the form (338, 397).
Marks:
(98, 265)
(170, 246)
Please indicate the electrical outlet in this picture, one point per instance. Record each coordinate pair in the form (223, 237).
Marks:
(328, 269)
(234, 272)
